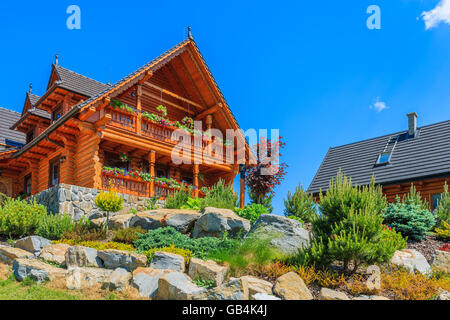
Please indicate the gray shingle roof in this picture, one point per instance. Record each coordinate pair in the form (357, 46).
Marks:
(78, 83)
(33, 98)
(427, 155)
(7, 119)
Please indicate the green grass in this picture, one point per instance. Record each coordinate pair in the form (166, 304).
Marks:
(10, 289)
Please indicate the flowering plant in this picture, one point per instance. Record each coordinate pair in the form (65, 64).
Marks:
(445, 247)
(113, 171)
(163, 110)
(124, 157)
(116, 104)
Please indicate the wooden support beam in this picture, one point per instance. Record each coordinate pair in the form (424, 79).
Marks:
(105, 102)
(87, 113)
(152, 163)
(209, 111)
(196, 185)
(174, 95)
(146, 77)
(168, 102)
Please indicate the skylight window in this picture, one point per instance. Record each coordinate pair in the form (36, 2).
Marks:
(384, 158)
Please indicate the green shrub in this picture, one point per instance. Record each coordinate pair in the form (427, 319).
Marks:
(350, 228)
(192, 204)
(109, 202)
(410, 219)
(128, 235)
(300, 204)
(54, 226)
(84, 230)
(98, 245)
(19, 218)
(414, 197)
(3, 198)
(443, 208)
(219, 196)
(297, 219)
(178, 199)
(266, 200)
(166, 237)
(252, 212)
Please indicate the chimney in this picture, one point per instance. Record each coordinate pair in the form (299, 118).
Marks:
(412, 124)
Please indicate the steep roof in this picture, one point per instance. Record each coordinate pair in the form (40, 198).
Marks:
(33, 98)
(7, 119)
(426, 155)
(78, 83)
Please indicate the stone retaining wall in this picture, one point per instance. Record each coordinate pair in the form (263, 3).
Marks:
(79, 202)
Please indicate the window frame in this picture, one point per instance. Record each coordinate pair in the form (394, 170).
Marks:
(51, 165)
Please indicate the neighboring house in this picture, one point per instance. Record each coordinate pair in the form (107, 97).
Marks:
(77, 130)
(417, 155)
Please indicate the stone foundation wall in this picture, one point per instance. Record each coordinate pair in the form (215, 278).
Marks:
(79, 202)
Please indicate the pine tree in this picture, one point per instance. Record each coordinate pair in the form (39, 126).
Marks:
(300, 204)
(443, 208)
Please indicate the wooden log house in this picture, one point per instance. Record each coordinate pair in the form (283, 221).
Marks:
(73, 131)
(419, 156)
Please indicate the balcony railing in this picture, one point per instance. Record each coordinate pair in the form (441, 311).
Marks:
(135, 186)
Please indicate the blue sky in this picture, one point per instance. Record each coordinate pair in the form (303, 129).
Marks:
(311, 69)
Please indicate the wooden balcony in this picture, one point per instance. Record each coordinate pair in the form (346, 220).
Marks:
(135, 186)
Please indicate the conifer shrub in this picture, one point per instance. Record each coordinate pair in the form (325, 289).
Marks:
(410, 218)
(166, 237)
(444, 232)
(128, 235)
(443, 208)
(350, 229)
(186, 254)
(19, 218)
(300, 204)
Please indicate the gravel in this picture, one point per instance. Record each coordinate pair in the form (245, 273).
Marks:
(427, 246)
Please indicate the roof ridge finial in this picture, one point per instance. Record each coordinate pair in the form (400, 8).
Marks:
(31, 87)
(190, 33)
(56, 59)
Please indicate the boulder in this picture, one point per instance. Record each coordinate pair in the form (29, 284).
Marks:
(55, 253)
(256, 285)
(146, 281)
(168, 261)
(9, 254)
(33, 244)
(79, 257)
(291, 287)
(120, 221)
(113, 259)
(207, 270)
(371, 298)
(83, 278)
(328, 294)
(117, 280)
(177, 286)
(35, 269)
(235, 289)
(412, 260)
(264, 297)
(443, 295)
(215, 222)
(441, 261)
(182, 220)
(286, 235)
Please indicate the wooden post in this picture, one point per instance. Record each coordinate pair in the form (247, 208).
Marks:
(139, 109)
(196, 185)
(242, 189)
(152, 161)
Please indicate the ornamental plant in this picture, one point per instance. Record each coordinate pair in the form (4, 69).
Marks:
(109, 202)
(19, 218)
(300, 204)
(116, 104)
(252, 212)
(350, 228)
(268, 173)
(445, 247)
(410, 218)
(124, 157)
(53, 227)
(444, 232)
(113, 171)
(220, 195)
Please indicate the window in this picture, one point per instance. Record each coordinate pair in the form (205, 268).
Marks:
(435, 198)
(30, 136)
(54, 169)
(384, 158)
(113, 160)
(57, 113)
(161, 173)
(188, 180)
(27, 184)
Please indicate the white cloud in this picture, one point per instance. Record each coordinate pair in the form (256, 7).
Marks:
(437, 15)
(379, 105)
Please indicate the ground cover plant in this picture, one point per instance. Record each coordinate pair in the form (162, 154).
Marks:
(252, 212)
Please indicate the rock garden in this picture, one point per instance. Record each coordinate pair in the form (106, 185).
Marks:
(351, 245)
